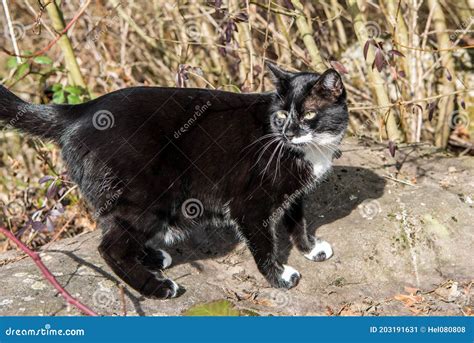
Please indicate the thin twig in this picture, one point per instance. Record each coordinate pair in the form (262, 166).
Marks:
(47, 274)
(122, 300)
(56, 39)
(410, 101)
(433, 50)
(398, 180)
(11, 30)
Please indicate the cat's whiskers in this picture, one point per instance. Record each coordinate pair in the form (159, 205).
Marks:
(263, 149)
(314, 144)
(260, 139)
(271, 158)
(278, 162)
(332, 147)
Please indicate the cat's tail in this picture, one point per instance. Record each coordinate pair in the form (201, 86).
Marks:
(41, 120)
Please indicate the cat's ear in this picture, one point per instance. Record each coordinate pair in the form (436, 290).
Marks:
(329, 84)
(281, 78)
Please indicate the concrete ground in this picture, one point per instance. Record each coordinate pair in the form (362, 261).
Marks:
(401, 228)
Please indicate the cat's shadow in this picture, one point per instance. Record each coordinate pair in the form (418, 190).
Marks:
(342, 192)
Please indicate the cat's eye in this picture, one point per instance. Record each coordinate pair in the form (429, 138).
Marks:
(309, 115)
(279, 118)
(281, 115)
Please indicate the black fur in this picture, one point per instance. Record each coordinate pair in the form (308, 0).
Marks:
(172, 148)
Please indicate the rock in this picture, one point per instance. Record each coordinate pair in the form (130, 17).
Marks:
(386, 236)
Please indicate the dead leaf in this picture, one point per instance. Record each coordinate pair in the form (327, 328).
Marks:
(329, 311)
(467, 311)
(263, 302)
(409, 300)
(412, 290)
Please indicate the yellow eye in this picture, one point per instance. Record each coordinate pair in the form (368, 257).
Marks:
(309, 115)
(281, 115)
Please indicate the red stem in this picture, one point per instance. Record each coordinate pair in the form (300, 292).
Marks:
(55, 40)
(47, 274)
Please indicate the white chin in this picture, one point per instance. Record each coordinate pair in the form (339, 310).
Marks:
(302, 139)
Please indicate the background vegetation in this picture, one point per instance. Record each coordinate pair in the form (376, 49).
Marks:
(407, 66)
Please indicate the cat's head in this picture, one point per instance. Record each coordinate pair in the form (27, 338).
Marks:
(308, 108)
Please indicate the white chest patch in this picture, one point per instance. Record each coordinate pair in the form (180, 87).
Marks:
(320, 158)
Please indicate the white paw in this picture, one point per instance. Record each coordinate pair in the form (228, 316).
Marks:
(290, 274)
(175, 289)
(321, 251)
(167, 260)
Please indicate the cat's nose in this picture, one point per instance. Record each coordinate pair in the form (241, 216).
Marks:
(289, 134)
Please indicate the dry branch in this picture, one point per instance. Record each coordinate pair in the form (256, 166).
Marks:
(376, 81)
(306, 33)
(69, 57)
(446, 106)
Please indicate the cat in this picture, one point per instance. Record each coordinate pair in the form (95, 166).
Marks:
(156, 163)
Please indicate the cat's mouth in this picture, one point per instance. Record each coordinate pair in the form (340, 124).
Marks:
(298, 142)
(301, 140)
(310, 139)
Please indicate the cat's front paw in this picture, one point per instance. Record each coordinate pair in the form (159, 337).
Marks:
(284, 277)
(321, 251)
(290, 276)
(160, 289)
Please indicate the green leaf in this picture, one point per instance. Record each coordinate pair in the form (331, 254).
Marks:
(57, 87)
(76, 90)
(215, 308)
(59, 98)
(43, 60)
(73, 99)
(249, 313)
(12, 62)
(22, 70)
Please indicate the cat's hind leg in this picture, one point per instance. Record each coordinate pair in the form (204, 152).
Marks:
(125, 251)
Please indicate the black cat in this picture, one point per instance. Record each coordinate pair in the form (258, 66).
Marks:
(156, 163)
